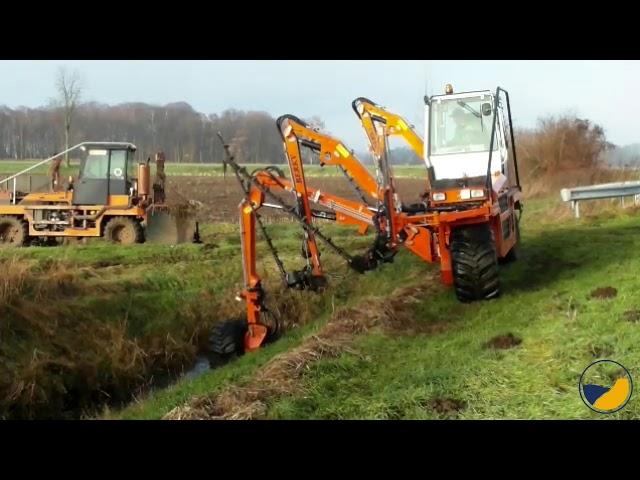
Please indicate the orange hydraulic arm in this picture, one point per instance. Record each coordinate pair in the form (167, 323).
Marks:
(294, 159)
(346, 211)
(378, 124)
(260, 186)
(371, 114)
(331, 151)
(297, 133)
(252, 293)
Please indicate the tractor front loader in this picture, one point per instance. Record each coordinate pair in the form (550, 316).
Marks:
(112, 197)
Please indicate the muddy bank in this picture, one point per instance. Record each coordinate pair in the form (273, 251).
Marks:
(77, 337)
(80, 337)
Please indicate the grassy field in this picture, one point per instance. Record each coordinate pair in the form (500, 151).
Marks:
(85, 328)
(88, 325)
(9, 167)
(442, 366)
(209, 170)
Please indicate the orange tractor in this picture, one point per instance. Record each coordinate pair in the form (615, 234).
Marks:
(465, 220)
(112, 197)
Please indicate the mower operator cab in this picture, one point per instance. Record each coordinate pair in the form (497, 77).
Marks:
(105, 170)
(459, 130)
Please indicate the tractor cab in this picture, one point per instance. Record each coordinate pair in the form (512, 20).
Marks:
(469, 145)
(105, 170)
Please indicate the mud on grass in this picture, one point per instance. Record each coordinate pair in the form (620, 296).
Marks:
(603, 293)
(502, 342)
(631, 316)
(445, 406)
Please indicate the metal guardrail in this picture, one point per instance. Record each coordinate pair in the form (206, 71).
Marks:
(598, 192)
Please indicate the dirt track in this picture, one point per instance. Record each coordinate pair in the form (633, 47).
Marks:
(220, 197)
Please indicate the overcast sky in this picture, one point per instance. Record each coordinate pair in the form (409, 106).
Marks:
(603, 91)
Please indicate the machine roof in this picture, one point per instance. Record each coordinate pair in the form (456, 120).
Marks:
(110, 145)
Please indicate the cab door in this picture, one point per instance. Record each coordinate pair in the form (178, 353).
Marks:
(92, 187)
(118, 173)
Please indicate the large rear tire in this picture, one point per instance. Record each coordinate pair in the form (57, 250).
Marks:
(14, 232)
(123, 231)
(475, 263)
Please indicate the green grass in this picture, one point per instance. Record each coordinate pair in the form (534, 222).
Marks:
(101, 319)
(163, 300)
(121, 314)
(545, 302)
(346, 291)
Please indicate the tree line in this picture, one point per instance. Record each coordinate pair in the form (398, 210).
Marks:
(188, 136)
(184, 134)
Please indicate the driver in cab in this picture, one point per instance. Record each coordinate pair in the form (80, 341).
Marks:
(469, 129)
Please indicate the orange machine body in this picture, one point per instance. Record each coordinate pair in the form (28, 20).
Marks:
(62, 212)
(426, 231)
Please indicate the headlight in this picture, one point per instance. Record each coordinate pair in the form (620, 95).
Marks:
(439, 197)
(465, 194)
(477, 193)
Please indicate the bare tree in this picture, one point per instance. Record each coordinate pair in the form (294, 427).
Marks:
(69, 87)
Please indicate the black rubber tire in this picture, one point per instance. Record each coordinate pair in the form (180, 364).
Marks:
(475, 263)
(14, 232)
(123, 231)
(227, 338)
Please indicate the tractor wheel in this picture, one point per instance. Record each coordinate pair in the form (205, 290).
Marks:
(14, 232)
(123, 230)
(227, 338)
(475, 263)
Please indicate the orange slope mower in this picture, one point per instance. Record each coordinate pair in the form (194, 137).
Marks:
(466, 219)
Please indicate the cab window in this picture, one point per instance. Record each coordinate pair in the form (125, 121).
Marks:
(459, 126)
(118, 167)
(131, 165)
(96, 165)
